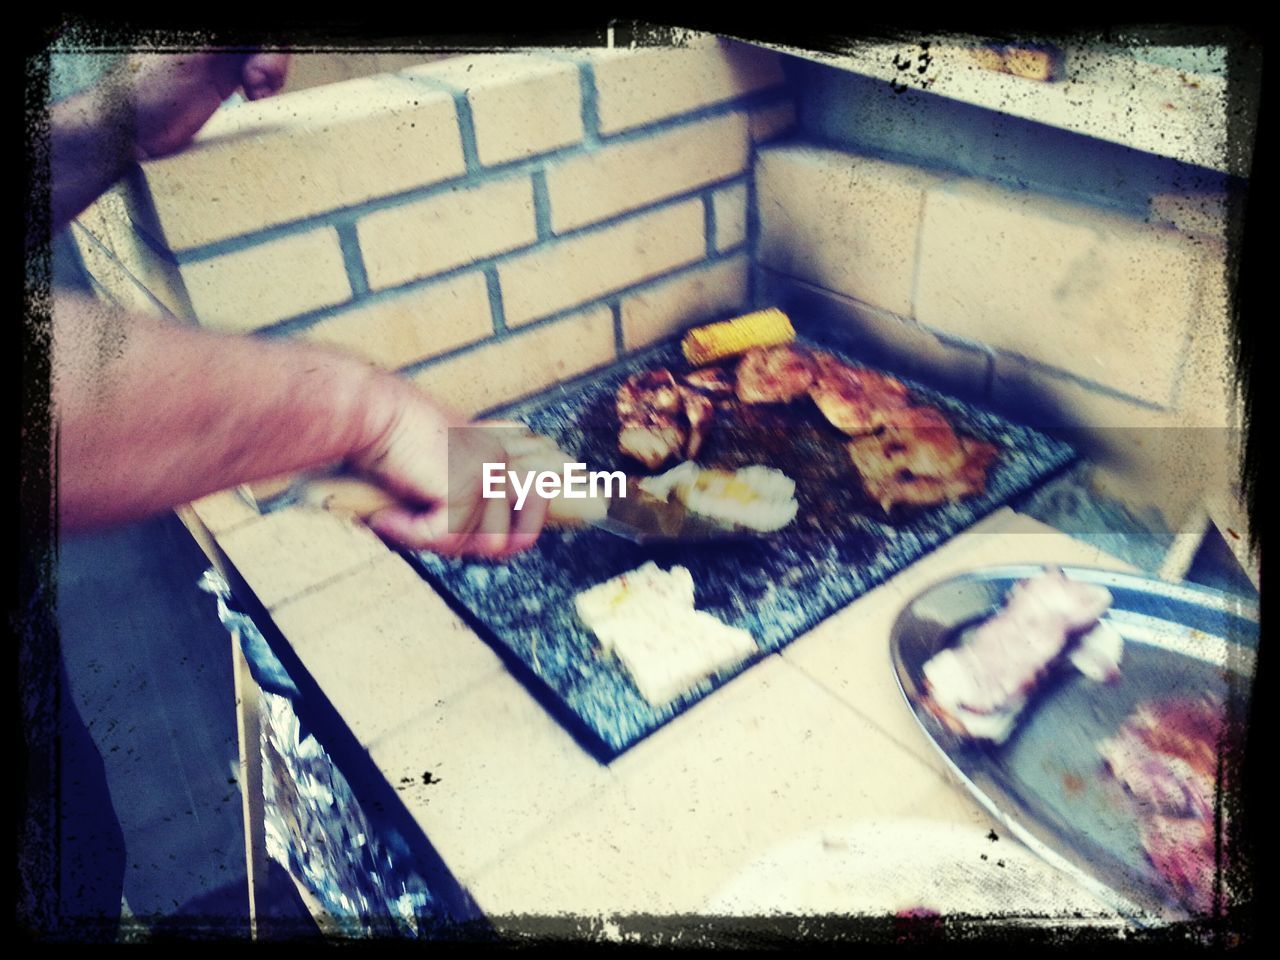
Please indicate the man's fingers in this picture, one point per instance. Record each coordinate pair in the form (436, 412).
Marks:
(526, 523)
(490, 539)
(418, 530)
(264, 74)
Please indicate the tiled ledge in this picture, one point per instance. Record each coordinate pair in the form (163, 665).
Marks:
(526, 820)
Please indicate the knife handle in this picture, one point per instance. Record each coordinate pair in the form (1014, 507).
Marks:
(347, 495)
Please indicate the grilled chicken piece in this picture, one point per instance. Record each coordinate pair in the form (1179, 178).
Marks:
(856, 401)
(651, 391)
(774, 374)
(712, 381)
(649, 406)
(700, 412)
(652, 440)
(919, 441)
(919, 468)
(660, 419)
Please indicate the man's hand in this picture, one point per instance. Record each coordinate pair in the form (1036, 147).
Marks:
(172, 95)
(434, 463)
(151, 414)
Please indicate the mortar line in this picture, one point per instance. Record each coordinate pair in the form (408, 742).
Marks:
(353, 259)
(542, 205)
(304, 320)
(477, 175)
(606, 299)
(709, 221)
(496, 309)
(619, 340)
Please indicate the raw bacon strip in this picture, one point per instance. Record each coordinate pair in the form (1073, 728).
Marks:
(979, 687)
(1098, 654)
(1183, 851)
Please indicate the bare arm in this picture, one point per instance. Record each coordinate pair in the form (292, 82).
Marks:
(150, 415)
(148, 105)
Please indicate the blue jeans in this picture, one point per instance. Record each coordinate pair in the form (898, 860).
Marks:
(91, 854)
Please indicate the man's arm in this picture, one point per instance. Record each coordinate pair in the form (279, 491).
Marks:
(150, 415)
(148, 105)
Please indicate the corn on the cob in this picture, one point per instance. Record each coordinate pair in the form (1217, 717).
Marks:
(764, 328)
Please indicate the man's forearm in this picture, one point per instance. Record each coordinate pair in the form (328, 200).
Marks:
(91, 146)
(150, 415)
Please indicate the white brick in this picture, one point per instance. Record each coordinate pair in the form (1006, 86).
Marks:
(523, 364)
(657, 312)
(262, 284)
(635, 87)
(1207, 387)
(505, 769)
(730, 205)
(771, 122)
(521, 104)
(108, 219)
(298, 549)
(593, 264)
(265, 162)
(413, 325)
(845, 222)
(878, 337)
(1104, 296)
(447, 230)
(593, 186)
(1152, 457)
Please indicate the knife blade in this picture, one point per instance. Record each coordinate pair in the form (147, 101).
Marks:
(636, 517)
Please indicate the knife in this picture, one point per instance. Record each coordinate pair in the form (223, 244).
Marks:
(637, 516)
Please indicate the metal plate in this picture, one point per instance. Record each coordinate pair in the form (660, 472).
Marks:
(1047, 783)
(776, 586)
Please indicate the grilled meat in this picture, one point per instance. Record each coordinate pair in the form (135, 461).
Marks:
(653, 440)
(920, 466)
(712, 381)
(1166, 756)
(923, 444)
(854, 400)
(774, 374)
(700, 412)
(660, 419)
(651, 391)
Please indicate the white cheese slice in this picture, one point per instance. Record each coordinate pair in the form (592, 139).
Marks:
(647, 619)
(668, 650)
(630, 594)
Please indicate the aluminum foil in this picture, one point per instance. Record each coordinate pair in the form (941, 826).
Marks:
(360, 872)
(318, 831)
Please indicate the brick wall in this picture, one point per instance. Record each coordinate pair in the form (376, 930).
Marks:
(493, 224)
(488, 224)
(1062, 312)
